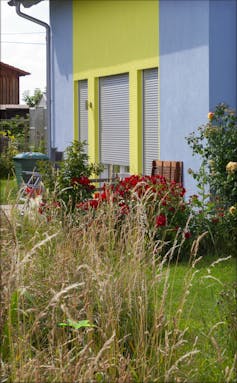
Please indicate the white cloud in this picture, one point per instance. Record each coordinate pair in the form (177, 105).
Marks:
(19, 38)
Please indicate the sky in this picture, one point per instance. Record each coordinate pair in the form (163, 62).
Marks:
(23, 44)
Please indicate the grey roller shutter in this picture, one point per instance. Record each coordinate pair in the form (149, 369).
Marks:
(114, 119)
(83, 110)
(150, 118)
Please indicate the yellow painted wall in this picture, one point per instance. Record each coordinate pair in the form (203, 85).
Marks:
(112, 37)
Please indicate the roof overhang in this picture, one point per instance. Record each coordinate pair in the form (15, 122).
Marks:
(7, 67)
(25, 3)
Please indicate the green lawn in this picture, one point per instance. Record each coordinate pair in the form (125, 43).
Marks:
(209, 313)
(9, 191)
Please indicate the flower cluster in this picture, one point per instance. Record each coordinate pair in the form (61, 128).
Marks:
(163, 202)
(82, 181)
(49, 209)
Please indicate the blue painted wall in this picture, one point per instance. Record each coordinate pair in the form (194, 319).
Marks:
(197, 71)
(62, 73)
(184, 78)
(223, 53)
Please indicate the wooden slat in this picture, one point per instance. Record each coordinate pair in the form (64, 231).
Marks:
(171, 170)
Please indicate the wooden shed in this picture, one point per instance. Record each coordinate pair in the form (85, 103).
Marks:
(9, 83)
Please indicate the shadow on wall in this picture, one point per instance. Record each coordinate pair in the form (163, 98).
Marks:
(62, 39)
(183, 27)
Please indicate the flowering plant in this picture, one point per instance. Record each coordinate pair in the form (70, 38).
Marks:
(216, 143)
(70, 182)
(165, 211)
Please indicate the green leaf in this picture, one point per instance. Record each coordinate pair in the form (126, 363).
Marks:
(63, 324)
(76, 325)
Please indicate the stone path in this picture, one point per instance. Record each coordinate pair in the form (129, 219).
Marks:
(9, 209)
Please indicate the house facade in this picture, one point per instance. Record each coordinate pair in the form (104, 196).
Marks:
(133, 78)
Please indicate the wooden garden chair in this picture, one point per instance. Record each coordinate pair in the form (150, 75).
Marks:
(171, 170)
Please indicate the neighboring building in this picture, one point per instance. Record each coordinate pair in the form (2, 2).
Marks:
(135, 77)
(9, 92)
(9, 83)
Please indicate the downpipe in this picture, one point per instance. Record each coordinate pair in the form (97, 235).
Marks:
(48, 76)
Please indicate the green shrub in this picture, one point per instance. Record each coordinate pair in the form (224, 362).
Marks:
(14, 134)
(9, 150)
(214, 210)
(69, 181)
(17, 127)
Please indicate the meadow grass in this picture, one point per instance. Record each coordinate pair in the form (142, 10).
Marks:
(152, 319)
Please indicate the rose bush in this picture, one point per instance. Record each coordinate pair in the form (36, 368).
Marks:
(165, 212)
(219, 223)
(166, 215)
(216, 144)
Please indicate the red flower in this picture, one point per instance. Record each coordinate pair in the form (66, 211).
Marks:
(187, 234)
(29, 190)
(161, 220)
(171, 208)
(80, 180)
(82, 205)
(33, 192)
(91, 187)
(75, 181)
(93, 203)
(56, 204)
(105, 195)
(124, 209)
(215, 220)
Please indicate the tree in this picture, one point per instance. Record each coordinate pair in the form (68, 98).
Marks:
(32, 101)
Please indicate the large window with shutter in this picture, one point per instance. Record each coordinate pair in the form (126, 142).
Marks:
(83, 110)
(114, 120)
(150, 118)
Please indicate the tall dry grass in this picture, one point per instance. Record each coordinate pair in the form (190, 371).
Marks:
(102, 271)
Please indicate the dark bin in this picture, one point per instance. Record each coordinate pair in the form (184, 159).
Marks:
(27, 161)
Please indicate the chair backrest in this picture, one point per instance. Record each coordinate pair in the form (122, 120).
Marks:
(171, 170)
